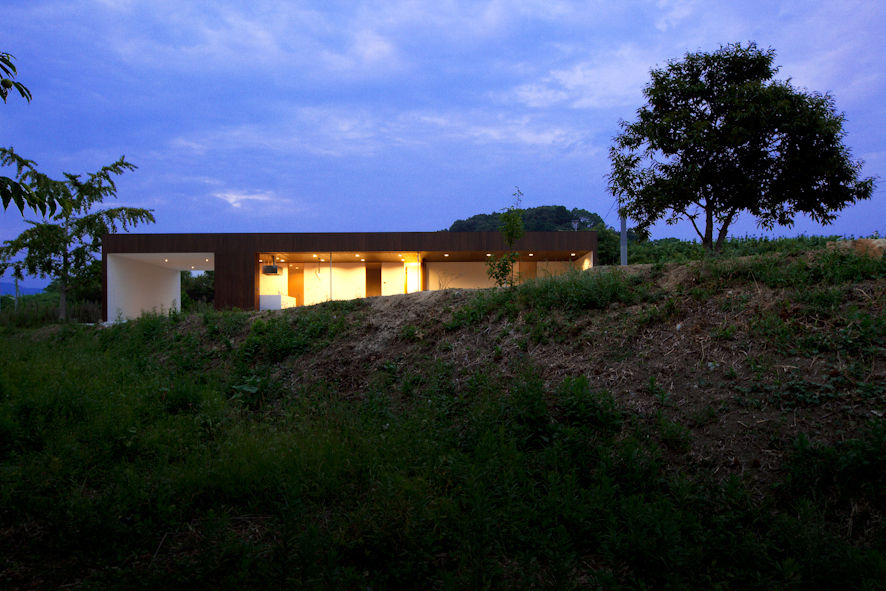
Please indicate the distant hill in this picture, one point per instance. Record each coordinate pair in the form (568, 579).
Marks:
(545, 218)
(9, 289)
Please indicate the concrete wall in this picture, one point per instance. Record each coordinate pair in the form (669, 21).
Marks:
(135, 287)
(457, 275)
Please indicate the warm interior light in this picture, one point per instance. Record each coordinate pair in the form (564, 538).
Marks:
(315, 256)
(357, 256)
(165, 260)
(572, 254)
(207, 260)
(362, 260)
(532, 255)
(322, 260)
(489, 254)
(446, 254)
(192, 266)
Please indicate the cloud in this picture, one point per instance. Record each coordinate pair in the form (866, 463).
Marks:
(612, 78)
(674, 12)
(237, 199)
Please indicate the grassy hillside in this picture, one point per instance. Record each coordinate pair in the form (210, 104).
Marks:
(718, 424)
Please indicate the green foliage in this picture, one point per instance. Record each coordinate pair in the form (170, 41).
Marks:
(65, 244)
(147, 477)
(545, 218)
(718, 136)
(571, 292)
(7, 74)
(283, 335)
(500, 268)
(197, 289)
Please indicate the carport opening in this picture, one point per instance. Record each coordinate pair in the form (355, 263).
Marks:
(139, 283)
(198, 290)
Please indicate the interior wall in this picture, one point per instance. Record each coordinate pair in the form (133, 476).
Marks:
(135, 288)
(393, 279)
(316, 282)
(373, 279)
(297, 284)
(348, 281)
(274, 284)
(585, 262)
(457, 275)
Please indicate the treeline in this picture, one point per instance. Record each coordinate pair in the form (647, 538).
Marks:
(556, 218)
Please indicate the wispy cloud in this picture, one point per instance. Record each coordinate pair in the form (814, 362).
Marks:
(610, 79)
(238, 199)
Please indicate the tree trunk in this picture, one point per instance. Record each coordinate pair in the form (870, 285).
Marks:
(63, 287)
(724, 229)
(708, 240)
(62, 303)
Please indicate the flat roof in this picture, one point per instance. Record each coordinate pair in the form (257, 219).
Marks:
(353, 246)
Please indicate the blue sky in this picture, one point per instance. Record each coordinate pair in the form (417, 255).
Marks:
(397, 114)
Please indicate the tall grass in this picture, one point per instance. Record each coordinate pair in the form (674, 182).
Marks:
(572, 292)
(122, 466)
(674, 250)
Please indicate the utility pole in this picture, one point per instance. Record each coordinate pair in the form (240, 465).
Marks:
(624, 241)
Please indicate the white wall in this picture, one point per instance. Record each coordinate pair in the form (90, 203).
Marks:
(316, 283)
(274, 284)
(457, 275)
(393, 278)
(135, 287)
(348, 281)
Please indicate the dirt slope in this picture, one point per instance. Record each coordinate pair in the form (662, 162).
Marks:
(736, 370)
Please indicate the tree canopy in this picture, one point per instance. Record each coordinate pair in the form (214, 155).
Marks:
(64, 245)
(17, 190)
(719, 136)
(545, 218)
(7, 78)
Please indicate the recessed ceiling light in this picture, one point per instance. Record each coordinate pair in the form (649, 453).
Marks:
(207, 260)
(489, 254)
(315, 256)
(192, 266)
(362, 260)
(322, 260)
(532, 255)
(572, 254)
(446, 255)
(357, 256)
(165, 260)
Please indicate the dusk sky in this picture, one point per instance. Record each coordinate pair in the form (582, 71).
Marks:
(396, 115)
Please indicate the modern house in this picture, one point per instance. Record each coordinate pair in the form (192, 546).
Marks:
(141, 272)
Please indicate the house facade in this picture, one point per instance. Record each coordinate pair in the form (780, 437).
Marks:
(141, 272)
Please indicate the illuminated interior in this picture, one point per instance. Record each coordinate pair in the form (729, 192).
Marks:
(142, 273)
(290, 279)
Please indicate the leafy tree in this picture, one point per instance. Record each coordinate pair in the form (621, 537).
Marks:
(12, 190)
(718, 136)
(501, 268)
(544, 218)
(197, 288)
(65, 244)
(7, 75)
